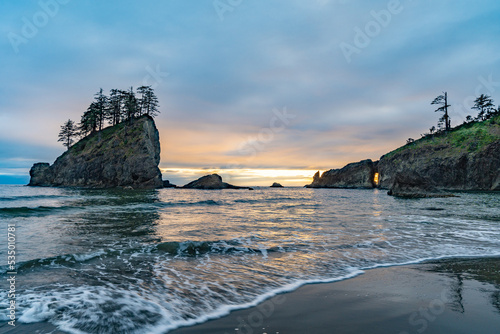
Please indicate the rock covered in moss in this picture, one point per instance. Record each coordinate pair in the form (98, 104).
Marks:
(124, 155)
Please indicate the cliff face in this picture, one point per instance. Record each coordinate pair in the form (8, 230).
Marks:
(125, 155)
(466, 158)
(355, 175)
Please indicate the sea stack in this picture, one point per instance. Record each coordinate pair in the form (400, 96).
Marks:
(211, 182)
(354, 175)
(122, 156)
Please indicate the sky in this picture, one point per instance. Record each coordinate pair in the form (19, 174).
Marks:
(257, 91)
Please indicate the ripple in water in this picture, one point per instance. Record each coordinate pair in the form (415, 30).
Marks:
(149, 261)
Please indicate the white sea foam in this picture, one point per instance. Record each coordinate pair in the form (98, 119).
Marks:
(86, 257)
(133, 267)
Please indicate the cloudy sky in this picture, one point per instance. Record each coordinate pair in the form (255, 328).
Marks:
(256, 90)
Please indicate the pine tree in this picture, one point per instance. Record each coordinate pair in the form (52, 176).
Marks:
(89, 121)
(148, 101)
(68, 131)
(115, 106)
(484, 104)
(131, 105)
(100, 101)
(442, 100)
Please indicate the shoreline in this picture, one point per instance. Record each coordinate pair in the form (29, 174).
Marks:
(449, 295)
(435, 296)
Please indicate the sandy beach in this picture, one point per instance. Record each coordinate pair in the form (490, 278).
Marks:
(447, 296)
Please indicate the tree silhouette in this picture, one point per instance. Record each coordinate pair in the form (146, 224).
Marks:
(484, 104)
(68, 131)
(131, 105)
(119, 106)
(100, 101)
(89, 121)
(432, 130)
(148, 101)
(115, 106)
(442, 100)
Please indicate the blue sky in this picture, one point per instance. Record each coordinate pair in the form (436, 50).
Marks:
(223, 69)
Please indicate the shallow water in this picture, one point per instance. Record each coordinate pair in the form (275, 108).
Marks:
(109, 261)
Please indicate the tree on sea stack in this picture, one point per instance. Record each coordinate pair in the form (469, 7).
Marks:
(485, 105)
(442, 100)
(100, 103)
(131, 105)
(68, 131)
(115, 106)
(89, 120)
(148, 101)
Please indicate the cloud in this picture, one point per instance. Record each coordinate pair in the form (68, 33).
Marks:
(226, 76)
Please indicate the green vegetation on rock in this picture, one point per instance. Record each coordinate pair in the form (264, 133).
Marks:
(466, 138)
(124, 155)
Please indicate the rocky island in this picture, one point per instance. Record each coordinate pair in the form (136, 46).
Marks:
(465, 158)
(124, 155)
(354, 175)
(211, 182)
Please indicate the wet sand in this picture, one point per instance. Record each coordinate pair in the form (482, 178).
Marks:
(449, 296)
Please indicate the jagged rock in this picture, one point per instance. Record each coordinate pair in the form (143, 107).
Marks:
(413, 185)
(210, 182)
(465, 158)
(316, 177)
(354, 175)
(276, 185)
(39, 173)
(446, 169)
(125, 155)
(167, 184)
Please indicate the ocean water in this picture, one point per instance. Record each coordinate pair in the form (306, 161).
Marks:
(112, 261)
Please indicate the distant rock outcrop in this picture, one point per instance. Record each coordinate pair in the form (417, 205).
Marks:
(211, 182)
(125, 155)
(167, 184)
(355, 175)
(276, 185)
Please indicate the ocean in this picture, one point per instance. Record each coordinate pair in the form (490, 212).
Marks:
(123, 261)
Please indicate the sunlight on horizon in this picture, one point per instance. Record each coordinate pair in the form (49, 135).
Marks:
(242, 177)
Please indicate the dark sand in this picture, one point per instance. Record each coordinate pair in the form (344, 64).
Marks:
(449, 296)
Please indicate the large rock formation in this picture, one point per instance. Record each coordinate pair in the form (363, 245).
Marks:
(355, 175)
(276, 185)
(413, 185)
(125, 155)
(211, 182)
(445, 167)
(466, 158)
